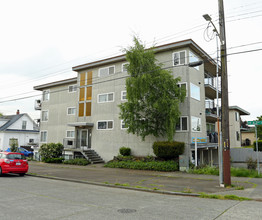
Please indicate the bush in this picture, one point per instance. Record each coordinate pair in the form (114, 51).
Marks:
(53, 160)
(51, 150)
(140, 165)
(125, 151)
(259, 145)
(168, 150)
(251, 164)
(77, 161)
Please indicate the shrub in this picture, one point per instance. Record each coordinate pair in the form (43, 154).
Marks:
(51, 150)
(140, 165)
(53, 160)
(259, 145)
(125, 151)
(251, 164)
(168, 150)
(77, 161)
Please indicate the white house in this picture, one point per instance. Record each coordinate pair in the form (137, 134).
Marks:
(19, 128)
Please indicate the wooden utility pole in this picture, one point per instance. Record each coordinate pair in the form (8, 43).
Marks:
(224, 98)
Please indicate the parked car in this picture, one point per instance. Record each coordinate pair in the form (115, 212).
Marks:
(13, 162)
(27, 153)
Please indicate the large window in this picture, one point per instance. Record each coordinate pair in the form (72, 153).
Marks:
(71, 111)
(106, 97)
(193, 58)
(179, 58)
(43, 136)
(46, 95)
(44, 116)
(195, 91)
(105, 125)
(106, 71)
(182, 124)
(195, 123)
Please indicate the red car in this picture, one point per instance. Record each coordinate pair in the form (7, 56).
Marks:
(12, 162)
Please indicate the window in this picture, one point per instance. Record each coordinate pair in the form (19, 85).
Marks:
(195, 91)
(71, 111)
(237, 135)
(196, 123)
(70, 134)
(182, 124)
(183, 86)
(44, 115)
(123, 125)
(124, 67)
(105, 125)
(193, 58)
(106, 71)
(123, 96)
(31, 141)
(46, 95)
(43, 136)
(107, 97)
(179, 58)
(72, 88)
(24, 125)
(237, 116)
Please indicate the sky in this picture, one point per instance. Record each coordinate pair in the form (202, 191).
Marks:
(41, 40)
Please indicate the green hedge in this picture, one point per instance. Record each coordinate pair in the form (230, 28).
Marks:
(168, 150)
(78, 161)
(259, 145)
(125, 151)
(52, 160)
(140, 165)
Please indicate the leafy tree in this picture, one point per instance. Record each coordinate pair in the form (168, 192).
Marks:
(13, 145)
(259, 128)
(152, 93)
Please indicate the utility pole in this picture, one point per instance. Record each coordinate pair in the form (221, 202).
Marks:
(224, 98)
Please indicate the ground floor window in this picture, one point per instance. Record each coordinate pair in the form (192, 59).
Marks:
(182, 124)
(43, 136)
(105, 125)
(70, 134)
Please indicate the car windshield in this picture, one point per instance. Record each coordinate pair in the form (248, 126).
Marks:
(15, 156)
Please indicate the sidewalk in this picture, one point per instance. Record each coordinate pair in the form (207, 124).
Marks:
(161, 182)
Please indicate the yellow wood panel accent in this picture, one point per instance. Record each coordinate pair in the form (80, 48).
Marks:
(82, 94)
(88, 109)
(88, 93)
(81, 110)
(89, 78)
(82, 79)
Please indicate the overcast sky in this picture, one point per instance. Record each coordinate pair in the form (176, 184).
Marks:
(41, 40)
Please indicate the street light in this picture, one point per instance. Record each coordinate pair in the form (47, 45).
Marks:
(220, 152)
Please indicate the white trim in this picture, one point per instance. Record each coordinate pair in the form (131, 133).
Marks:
(179, 64)
(106, 98)
(41, 137)
(122, 95)
(71, 108)
(186, 87)
(180, 118)
(121, 123)
(74, 86)
(46, 100)
(99, 75)
(70, 131)
(191, 92)
(106, 125)
(122, 67)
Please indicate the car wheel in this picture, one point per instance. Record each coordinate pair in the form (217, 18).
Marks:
(21, 174)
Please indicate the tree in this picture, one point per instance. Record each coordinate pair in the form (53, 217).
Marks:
(259, 128)
(153, 95)
(1, 114)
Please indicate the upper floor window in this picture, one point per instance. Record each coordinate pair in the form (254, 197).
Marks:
(193, 58)
(106, 71)
(179, 58)
(183, 86)
(46, 95)
(72, 88)
(24, 125)
(182, 124)
(44, 116)
(195, 91)
(123, 96)
(124, 67)
(196, 123)
(106, 97)
(105, 125)
(43, 136)
(123, 125)
(237, 116)
(71, 111)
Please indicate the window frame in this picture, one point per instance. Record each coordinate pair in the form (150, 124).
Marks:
(71, 108)
(194, 58)
(74, 88)
(47, 112)
(46, 95)
(121, 125)
(181, 124)
(194, 97)
(103, 129)
(24, 124)
(122, 67)
(68, 131)
(108, 74)
(122, 95)
(192, 124)
(181, 83)
(41, 132)
(98, 101)
(178, 52)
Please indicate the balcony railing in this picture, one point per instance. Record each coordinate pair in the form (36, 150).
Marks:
(38, 104)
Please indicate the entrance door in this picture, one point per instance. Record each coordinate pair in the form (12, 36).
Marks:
(84, 138)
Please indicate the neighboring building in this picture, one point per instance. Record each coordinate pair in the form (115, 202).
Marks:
(248, 136)
(83, 112)
(19, 129)
(235, 124)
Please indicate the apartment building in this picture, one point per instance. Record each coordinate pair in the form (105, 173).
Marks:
(83, 112)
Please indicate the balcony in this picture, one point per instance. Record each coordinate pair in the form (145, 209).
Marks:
(38, 104)
(211, 111)
(210, 88)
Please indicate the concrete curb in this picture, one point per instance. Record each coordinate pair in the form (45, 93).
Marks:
(116, 186)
